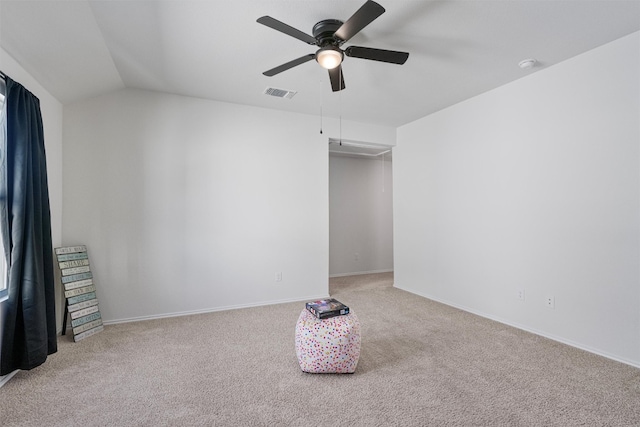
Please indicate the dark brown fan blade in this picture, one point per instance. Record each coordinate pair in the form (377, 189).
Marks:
(363, 17)
(290, 64)
(287, 29)
(337, 78)
(382, 55)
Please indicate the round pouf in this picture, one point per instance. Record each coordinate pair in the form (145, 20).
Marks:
(328, 346)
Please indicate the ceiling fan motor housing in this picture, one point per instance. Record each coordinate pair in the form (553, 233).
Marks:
(324, 32)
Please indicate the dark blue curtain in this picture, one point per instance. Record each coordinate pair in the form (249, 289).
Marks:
(29, 322)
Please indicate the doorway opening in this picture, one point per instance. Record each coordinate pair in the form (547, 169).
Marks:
(360, 208)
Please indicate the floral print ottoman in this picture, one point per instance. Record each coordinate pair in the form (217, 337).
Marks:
(329, 346)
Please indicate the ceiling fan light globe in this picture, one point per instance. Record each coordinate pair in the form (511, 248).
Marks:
(329, 58)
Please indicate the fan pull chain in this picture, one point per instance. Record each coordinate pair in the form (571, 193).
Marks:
(340, 101)
(321, 101)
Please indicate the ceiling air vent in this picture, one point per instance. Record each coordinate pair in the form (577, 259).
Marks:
(279, 93)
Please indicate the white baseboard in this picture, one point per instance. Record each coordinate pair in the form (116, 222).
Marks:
(211, 310)
(5, 379)
(523, 327)
(359, 273)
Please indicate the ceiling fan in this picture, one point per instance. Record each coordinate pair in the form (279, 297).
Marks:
(329, 35)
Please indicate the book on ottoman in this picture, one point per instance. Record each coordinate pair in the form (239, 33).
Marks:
(326, 308)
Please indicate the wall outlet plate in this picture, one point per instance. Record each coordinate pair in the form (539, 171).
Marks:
(550, 302)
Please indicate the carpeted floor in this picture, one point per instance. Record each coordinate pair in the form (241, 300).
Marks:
(422, 364)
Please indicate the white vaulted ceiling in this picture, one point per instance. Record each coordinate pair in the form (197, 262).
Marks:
(216, 50)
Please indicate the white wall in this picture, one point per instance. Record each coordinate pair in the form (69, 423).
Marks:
(534, 186)
(51, 111)
(189, 205)
(360, 215)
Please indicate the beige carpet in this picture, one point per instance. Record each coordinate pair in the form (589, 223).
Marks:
(422, 363)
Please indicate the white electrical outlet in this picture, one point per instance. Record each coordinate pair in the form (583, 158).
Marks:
(550, 302)
(356, 256)
(521, 294)
(279, 276)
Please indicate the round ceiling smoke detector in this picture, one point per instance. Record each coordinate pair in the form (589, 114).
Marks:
(526, 64)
